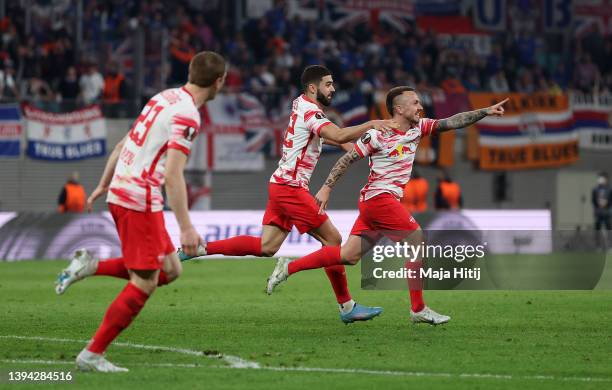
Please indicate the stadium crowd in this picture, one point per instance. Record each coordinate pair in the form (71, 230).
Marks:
(268, 53)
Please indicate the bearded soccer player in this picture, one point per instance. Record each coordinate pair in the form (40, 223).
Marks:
(391, 155)
(152, 154)
(290, 203)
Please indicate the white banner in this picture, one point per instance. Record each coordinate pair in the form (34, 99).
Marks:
(67, 136)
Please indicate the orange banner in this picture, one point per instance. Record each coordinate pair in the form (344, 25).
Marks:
(529, 156)
(536, 131)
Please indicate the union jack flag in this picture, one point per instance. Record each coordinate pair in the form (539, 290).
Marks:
(590, 14)
(346, 13)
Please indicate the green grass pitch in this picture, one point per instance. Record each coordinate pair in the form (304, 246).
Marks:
(496, 339)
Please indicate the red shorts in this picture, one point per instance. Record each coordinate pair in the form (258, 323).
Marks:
(384, 215)
(292, 206)
(143, 235)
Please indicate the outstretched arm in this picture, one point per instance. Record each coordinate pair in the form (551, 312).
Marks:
(322, 197)
(467, 118)
(332, 132)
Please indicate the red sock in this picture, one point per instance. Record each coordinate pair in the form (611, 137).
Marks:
(115, 267)
(416, 300)
(337, 277)
(415, 285)
(118, 316)
(235, 246)
(324, 257)
(112, 267)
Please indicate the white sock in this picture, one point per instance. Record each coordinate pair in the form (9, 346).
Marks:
(347, 307)
(87, 354)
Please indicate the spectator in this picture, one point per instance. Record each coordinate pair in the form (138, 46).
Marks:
(472, 83)
(560, 75)
(552, 88)
(205, 33)
(448, 194)
(233, 80)
(525, 82)
(452, 85)
(114, 85)
(72, 197)
(586, 75)
(38, 90)
(415, 194)
(262, 80)
(91, 84)
(69, 86)
(498, 82)
(181, 52)
(601, 198)
(8, 85)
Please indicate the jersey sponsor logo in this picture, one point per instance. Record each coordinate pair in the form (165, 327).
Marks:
(365, 139)
(399, 151)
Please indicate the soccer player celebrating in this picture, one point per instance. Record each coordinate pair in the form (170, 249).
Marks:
(391, 156)
(152, 154)
(289, 203)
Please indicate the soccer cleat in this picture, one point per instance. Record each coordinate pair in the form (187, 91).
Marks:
(184, 257)
(429, 316)
(360, 313)
(90, 361)
(279, 275)
(82, 265)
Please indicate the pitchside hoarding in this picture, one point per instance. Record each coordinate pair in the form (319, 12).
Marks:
(471, 249)
(56, 236)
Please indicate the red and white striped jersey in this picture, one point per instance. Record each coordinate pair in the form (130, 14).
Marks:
(170, 120)
(302, 144)
(391, 157)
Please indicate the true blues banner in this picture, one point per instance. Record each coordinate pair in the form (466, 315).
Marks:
(536, 131)
(10, 131)
(67, 136)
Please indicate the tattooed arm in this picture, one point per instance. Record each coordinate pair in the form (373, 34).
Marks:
(467, 118)
(322, 197)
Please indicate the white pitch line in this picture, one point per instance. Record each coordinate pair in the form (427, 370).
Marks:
(235, 362)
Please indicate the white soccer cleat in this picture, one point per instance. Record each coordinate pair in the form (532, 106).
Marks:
(90, 361)
(184, 257)
(428, 316)
(82, 265)
(279, 275)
